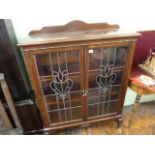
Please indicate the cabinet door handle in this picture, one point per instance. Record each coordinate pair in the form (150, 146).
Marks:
(85, 93)
(82, 92)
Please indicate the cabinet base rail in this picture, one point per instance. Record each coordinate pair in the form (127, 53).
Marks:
(119, 119)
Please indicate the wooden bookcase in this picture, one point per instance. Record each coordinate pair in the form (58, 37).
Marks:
(79, 72)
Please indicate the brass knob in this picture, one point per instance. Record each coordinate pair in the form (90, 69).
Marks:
(85, 93)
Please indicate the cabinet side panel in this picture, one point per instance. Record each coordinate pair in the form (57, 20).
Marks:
(126, 75)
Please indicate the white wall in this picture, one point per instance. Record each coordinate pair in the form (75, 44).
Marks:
(129, 14)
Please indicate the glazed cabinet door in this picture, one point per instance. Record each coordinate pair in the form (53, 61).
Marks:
(60, 79)
(106, 68)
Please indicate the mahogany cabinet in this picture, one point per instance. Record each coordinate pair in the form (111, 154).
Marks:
(79, 72)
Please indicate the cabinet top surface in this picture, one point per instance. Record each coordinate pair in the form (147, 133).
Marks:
(75, 31)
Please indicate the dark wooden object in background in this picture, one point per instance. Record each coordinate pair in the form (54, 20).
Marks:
(9, 100)
(29, 117)
(6, 123)
(11, 63)
(11, 107)
(83, 46)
